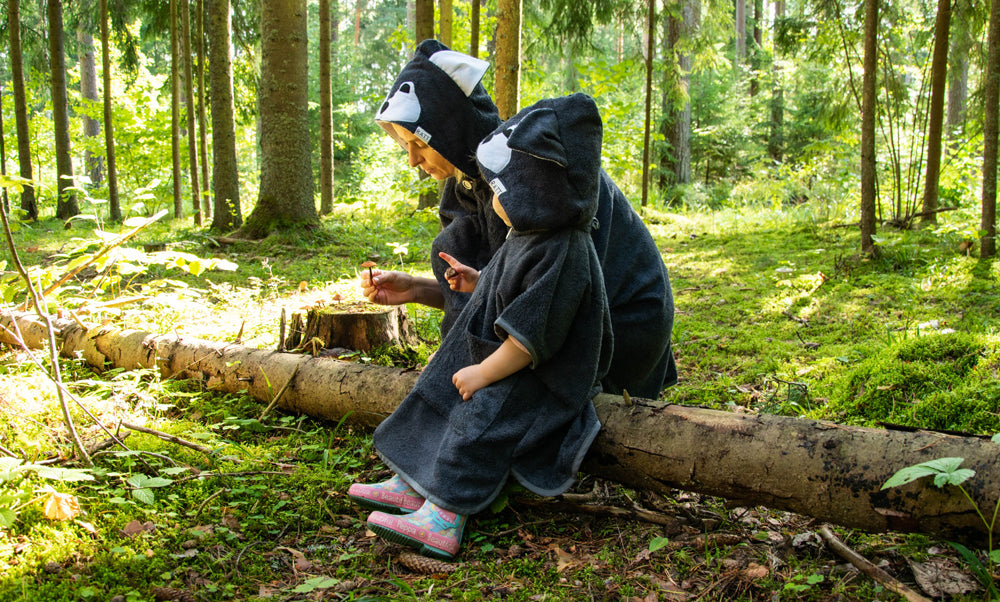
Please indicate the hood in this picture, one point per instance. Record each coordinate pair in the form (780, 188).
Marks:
(544, 164)
(439, 98)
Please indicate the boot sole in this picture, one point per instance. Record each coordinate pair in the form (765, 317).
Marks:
(421, 547)
(382, 506)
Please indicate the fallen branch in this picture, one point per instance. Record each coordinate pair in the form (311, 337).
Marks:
(866, 567)
(169, 438)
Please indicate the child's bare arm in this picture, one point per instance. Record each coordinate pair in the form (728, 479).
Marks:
(506, 360)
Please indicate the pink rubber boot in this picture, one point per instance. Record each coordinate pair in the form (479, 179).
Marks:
(432, 530)
(393, 496)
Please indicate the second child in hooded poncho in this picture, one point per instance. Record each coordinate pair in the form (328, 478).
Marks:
(540, 311)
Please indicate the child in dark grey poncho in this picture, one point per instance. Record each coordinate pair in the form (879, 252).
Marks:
(509, 391)
(438, 110)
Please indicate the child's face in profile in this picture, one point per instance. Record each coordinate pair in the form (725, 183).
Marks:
(500, 211)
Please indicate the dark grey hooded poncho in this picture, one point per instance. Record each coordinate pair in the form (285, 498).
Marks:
(438, 96)
(545, 288)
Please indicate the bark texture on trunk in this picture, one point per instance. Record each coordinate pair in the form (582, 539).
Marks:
(66, 206)
(868, 104)
(828, 471)
(285, 199)
(507, 66)
(28, 202)
(225, 175)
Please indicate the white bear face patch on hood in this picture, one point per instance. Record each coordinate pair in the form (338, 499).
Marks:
(403, 105)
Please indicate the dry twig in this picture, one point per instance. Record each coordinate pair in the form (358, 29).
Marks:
(866, 567)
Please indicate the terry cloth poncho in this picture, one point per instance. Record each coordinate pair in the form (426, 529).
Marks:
(544, 287)
(438, 96)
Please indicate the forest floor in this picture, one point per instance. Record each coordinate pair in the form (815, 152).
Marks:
(776, 312)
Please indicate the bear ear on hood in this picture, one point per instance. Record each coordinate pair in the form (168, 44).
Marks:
(464, 70)
(537, 134)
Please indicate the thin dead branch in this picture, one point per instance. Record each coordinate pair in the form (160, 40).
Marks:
(169, 438)
(866, 567)
(37, 300)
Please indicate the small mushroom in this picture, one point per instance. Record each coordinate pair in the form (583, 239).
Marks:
(369, 265)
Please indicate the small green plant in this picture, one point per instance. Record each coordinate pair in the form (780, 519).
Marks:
(946, 471)
(18, 490)
(803, 583)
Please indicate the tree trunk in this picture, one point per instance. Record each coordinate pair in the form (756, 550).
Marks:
(446, 17)
(740, 19)
(29, 204)
(192, 131)
(359, 7)
(286, 186)
(206, 199)
(66, 206)
(831, 472)
(868, 99)
(175, 110)
(647, 119)
(423, 29)
(991, 95)
(935, 117)
(93, 164)
(474, 29)
(114, 204)
(675, 161)
(423, 25)
(225, 176)
(325, 112)
(758, 44)
(775, 142)
(958, 67)
(3, 158)
(507, 67)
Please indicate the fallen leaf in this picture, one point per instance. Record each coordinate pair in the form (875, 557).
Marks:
(134, 527)
(301, 562)
(755, 571)
(61, 506)
(564, 559)
(940, 577)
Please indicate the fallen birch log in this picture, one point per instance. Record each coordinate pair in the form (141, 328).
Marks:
(831, 472)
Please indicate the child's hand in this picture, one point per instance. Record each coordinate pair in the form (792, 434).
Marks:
(470, 379)
(460, 277)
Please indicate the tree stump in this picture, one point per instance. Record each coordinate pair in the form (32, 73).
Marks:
(357, 326)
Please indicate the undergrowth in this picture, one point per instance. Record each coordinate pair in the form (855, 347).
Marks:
(776, 313)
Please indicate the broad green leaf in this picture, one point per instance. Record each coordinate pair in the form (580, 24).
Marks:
(8, 468)
(144, 495)
(658, 542)
(78, 261)
(7, 518)
(56, 473)
(315, 583)
(945, 471)
(134, 222)
(157, 482)
(195, 267)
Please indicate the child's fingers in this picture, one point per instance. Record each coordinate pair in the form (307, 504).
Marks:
(451, 260)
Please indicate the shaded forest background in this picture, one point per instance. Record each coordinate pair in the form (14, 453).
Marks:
(741, 104)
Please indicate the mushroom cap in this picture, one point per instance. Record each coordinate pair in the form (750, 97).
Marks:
(369, 264)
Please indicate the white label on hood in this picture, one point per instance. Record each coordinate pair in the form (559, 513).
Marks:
(422, 134)
(497, 186)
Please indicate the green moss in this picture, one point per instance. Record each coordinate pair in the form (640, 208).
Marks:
(928, 381)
